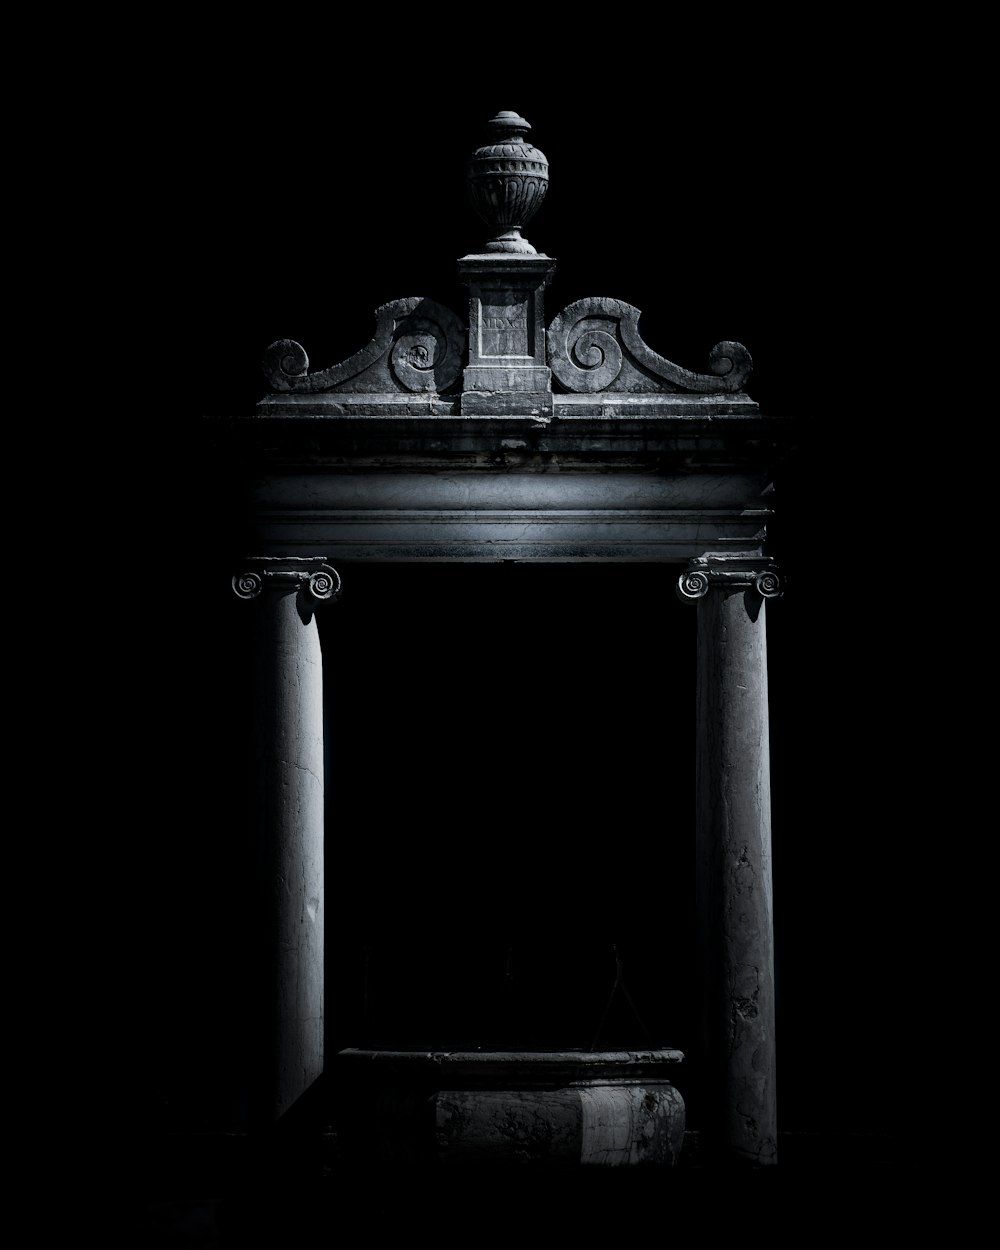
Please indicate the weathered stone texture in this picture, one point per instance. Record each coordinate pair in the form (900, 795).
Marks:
(507, 181)
(536, 1108)
(433, 443)
(289, 766)
(594, 345)
(734, 872)
(418, 347)
(511, 1126)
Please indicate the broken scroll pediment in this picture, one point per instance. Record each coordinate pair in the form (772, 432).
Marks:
(420, 347)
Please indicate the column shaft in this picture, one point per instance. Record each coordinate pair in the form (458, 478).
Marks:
(288, 768)
(734, 875)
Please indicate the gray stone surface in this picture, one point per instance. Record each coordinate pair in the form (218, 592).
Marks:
(417, 348)
(507, 371)
(594, 1125)
(594, 345)
(282, 595)
(734, 855)
(507, 181)
(515, 1108)
(592, 510)
(434, 444)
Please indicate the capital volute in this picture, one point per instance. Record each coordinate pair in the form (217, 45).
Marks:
(759, 575)
(311, 576)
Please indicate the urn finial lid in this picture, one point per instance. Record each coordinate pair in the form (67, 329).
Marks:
(507, 179)
(507, 121)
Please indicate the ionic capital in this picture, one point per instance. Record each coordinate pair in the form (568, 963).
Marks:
(731, 572)
(309, 574)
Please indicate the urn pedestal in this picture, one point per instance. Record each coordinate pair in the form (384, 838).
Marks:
(525, 1109)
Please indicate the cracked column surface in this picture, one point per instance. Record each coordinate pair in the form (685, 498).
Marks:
(288, 731)
(734, 876)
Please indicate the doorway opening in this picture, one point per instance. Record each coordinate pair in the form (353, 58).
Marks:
(510, 807)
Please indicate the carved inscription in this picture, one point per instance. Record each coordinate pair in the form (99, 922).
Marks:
(504, 330)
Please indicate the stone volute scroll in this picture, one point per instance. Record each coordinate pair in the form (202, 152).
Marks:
(591, 361)
(524, 440)
(418, 347)
(594, 345)
(758, 574)
(313, 578)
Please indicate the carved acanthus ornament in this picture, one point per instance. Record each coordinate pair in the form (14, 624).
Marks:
(594, 345)
(418, 347)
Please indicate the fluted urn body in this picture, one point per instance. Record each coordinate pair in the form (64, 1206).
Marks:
(507, 180)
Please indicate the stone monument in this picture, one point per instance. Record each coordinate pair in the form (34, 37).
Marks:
(436, 442)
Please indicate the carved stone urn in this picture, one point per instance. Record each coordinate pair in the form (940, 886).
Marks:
(507, 180)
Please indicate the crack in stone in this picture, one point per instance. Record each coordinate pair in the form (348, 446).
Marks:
(302, 768)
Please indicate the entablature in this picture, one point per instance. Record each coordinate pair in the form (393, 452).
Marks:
(504, 437)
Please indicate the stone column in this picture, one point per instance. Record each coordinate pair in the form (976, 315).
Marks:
(288, 766)
(735, 914)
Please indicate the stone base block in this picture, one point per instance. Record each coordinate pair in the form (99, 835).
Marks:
(532, 379)
(550, 1109)
(506, 404)
(610, 1125)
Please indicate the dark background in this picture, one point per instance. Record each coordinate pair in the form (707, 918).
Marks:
(511, 748)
